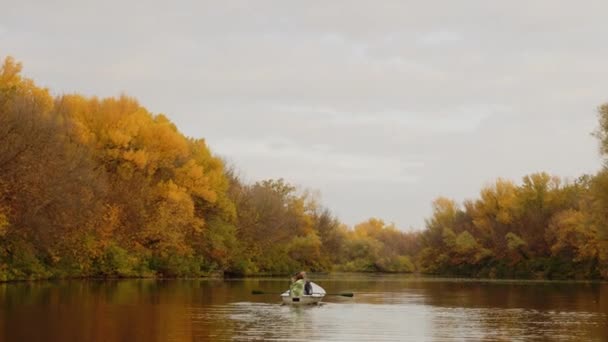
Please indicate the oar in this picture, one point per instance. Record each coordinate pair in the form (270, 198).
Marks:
(343, 294)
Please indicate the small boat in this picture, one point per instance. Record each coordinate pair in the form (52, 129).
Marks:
(317, 295)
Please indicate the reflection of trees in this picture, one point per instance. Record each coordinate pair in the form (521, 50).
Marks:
(126, 310)
(492, 309)
(186, 310)
(487, 309)
(91, 311)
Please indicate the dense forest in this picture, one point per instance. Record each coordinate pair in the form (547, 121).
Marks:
(101, 187)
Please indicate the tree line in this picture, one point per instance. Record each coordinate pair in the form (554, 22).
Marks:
(101, 187)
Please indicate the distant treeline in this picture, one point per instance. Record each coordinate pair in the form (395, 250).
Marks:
(94, 187)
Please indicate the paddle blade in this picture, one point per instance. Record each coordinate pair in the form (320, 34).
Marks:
(347, 294)
(257, 292)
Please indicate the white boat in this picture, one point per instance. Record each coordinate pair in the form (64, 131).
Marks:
(317, 294)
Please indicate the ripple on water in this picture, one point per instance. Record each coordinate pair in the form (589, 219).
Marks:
(406, 320)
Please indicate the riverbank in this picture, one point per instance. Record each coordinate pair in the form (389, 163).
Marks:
(322, 275)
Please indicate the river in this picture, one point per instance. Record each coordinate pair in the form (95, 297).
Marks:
(384, 308)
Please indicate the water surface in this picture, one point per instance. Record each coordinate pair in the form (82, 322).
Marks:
(385, 308)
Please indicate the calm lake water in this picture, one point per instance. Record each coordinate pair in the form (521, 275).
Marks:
(385, 308)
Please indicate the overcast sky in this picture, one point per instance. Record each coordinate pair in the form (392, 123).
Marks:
(380, 106)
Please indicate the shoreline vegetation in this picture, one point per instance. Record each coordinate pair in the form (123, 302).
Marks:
(321, 275)
(102, 188)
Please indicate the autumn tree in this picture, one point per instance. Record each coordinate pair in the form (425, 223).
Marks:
(46, 180)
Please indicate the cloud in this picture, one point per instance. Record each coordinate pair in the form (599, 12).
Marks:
(318, 163)
(458, 120)
(441, 37)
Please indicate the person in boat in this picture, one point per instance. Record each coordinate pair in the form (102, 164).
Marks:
(300, 285)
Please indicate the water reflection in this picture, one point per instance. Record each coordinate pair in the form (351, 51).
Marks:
(385, 308)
